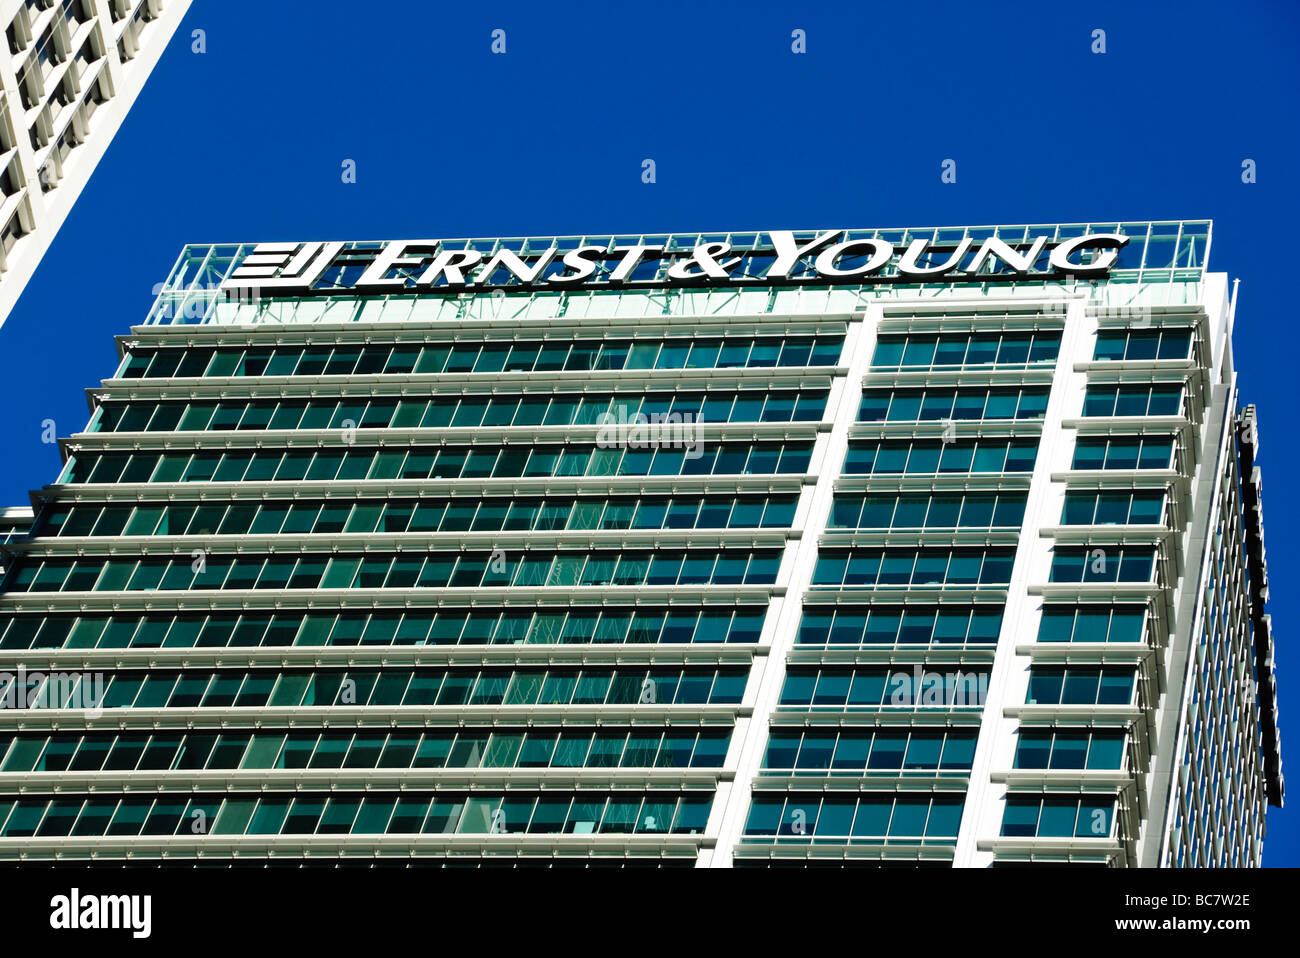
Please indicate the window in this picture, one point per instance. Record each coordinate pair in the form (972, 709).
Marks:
(447, 462)
(1037, 817)
(1070, 749)
(450, 626)
(924, 457)
(393, 687)
(877, 568)
(842, 688)
(1123, 452)
(937, 403)
(869, 818)
(866, 752)
(1147, 344)
(1159, 399)
(457, 412)
(1092, 623)
(1081, 686)
(357, 813)
(930, 350)
(1140, 507)
(1110, 564)
(490, 357)
(931, 511)
(902, 625)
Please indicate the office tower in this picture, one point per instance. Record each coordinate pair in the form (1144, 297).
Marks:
(892, 547)
(74, 68)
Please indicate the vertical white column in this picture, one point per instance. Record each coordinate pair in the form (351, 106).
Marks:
(1213, 460)
(841, 412)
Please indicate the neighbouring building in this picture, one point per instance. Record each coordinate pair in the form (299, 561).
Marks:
(72, 70)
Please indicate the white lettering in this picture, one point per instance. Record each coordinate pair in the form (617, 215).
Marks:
(75, 911)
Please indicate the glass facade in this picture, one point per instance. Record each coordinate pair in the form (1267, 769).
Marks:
(827, 572)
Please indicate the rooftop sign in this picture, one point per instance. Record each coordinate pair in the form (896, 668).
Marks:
(774, 258)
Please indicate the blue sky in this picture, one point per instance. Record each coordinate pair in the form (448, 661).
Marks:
(246, 142)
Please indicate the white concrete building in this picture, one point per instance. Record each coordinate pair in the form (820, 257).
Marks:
(69, 72)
